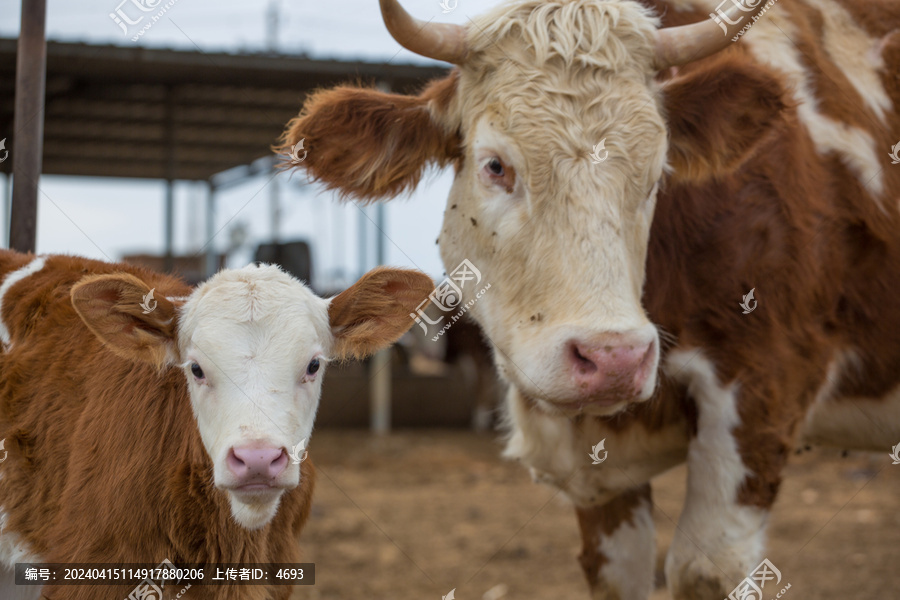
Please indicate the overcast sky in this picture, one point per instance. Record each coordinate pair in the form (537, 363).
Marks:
(106, 218)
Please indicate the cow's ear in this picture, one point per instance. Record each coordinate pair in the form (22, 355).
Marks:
(370, 145)
(128, 317)
(718, 117)
(375, 311)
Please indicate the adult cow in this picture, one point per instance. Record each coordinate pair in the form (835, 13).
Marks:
(731, 166)
(145, 420)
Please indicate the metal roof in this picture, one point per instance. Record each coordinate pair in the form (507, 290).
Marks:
(114, 111)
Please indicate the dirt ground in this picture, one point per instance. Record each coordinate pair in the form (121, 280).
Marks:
(417, 514)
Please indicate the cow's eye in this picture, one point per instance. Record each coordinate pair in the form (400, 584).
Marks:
(196, 370)
(497, 173)
(313, 367)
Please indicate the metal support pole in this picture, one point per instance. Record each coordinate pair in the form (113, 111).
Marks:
(380, 366)
(7, 204)
(362, 235)
(275, 206)
(194, 220)
(380, 224)
(28, 125)
(380, 392)
(339, 240)
(169, 226)
(212, 258)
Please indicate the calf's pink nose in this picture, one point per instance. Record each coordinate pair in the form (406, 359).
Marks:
(256, 464)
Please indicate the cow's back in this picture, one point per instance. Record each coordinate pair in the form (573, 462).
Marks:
(808, 221)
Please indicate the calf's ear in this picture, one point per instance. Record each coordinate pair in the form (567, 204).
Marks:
(719, 116)
(375, 311)
(370, 145)
(128, 317)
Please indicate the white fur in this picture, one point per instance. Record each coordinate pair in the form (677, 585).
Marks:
(556, 452)
(716, 539)
(10, 280)
(851, 423)
(855, 423)
(13, 549)
(855, 146)
(855, 52)
(631, 552)
(253, 331)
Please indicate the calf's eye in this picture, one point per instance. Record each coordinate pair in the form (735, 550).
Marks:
(313, 367)
(496, 167)
(196, 370)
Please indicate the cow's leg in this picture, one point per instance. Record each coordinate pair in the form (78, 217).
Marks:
(618, 552)
(732, 482)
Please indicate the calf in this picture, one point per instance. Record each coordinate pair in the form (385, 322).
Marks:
(626, 172)
(146, 420)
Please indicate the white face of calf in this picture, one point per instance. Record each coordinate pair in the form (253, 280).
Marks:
(253, 344)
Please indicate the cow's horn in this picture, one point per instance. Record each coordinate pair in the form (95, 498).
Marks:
(441, 41)
(676, 46)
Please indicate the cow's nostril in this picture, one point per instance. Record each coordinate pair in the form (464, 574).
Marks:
(584, 364)
(279, 464)
(235, 464)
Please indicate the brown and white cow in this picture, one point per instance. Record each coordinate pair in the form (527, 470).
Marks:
(141, 426)
(733, 163)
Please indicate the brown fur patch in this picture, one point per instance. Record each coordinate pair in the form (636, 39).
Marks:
(719, 116)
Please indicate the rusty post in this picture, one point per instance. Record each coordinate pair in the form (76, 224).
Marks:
(28, 127)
